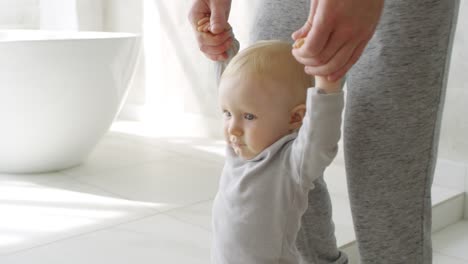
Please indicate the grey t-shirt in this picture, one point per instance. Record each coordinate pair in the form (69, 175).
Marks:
(257, 210)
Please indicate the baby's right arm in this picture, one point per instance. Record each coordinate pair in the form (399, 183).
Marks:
(326, 86)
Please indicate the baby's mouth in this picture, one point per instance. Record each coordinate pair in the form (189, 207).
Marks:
(237, 145)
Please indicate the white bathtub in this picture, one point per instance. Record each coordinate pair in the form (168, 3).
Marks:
(59, 93)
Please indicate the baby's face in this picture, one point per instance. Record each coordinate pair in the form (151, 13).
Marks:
(254, 116)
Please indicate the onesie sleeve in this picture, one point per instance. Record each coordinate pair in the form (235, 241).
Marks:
(221, 65)
(317, 142)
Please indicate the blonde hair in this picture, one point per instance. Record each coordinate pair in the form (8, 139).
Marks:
(271, 60)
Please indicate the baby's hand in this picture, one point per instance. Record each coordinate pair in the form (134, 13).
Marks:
(203, 25)
(214, 46)
(321, 81)
(298, 43)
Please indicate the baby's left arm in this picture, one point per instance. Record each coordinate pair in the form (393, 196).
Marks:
(317, 142)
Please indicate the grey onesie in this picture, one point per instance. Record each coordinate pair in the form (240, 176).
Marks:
(257, 210)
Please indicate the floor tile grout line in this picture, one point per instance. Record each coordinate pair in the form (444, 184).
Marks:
(97, 172)
(139, 144)
(76, 179)
(186, 222)
(114, 226)
(451, 256)
(171, 210)
(112, 193)
(155, 209)
(168, 213)
(155, 145)
(137, 164)
(169, 216)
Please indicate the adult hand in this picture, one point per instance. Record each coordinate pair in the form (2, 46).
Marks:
(335, 35)
(216, 40)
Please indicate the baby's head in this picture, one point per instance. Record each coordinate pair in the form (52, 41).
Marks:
(262, 95)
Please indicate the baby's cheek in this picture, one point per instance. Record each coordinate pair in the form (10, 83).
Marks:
(257, 141)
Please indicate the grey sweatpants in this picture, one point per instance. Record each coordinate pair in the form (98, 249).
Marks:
(393, 111)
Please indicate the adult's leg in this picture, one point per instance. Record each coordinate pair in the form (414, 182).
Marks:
(394, 103)
(278, 19)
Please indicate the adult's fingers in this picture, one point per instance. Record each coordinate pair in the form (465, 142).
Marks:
(310, 47)
(354, 58)
(334, 42)
(337, 62)
(198, 10)
(337, 40)
(319, 33)
(302, 32)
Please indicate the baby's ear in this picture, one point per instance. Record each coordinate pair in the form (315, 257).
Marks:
(296, 116)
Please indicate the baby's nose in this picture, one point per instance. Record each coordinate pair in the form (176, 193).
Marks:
(235, 130)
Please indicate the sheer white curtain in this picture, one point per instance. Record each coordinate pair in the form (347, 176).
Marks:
(179, 81)
(175, 79)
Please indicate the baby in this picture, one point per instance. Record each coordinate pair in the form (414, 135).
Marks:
(281, 133)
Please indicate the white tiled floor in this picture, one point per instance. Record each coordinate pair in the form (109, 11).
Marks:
(452, 242)
(142, 200)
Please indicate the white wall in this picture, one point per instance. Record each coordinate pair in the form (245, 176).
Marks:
(83, 15)
(19, 13)
(51, 14)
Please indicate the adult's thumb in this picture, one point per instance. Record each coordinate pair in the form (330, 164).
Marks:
(218, 19)
(302, 32)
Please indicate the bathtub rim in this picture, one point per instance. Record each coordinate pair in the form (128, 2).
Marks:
(39, 35)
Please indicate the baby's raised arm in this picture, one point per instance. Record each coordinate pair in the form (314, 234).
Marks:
(327, 86)
(317, 142)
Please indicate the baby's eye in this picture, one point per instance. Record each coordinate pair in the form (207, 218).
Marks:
(226, 114)
(249, 116)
